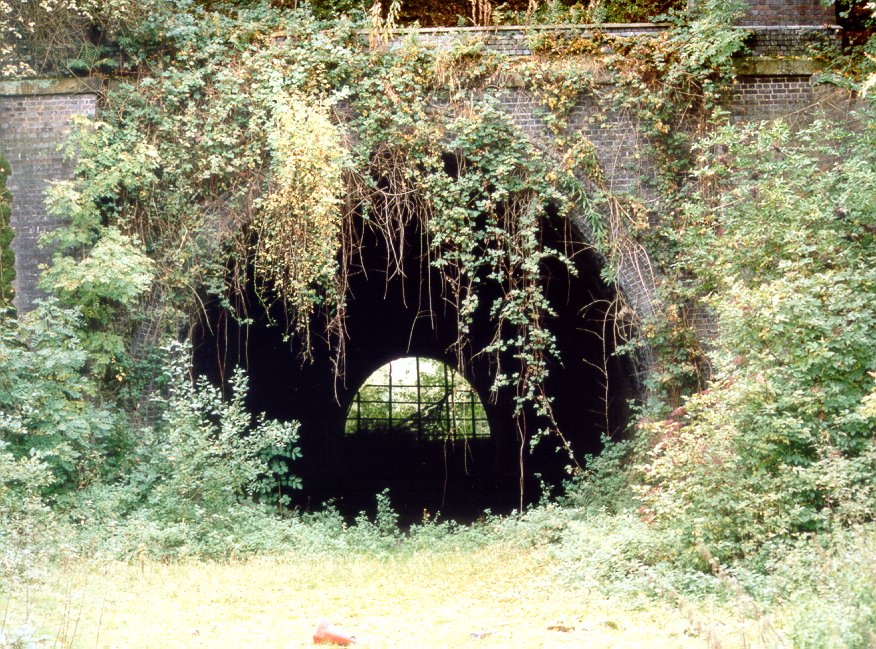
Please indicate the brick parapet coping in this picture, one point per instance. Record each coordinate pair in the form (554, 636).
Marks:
(516, 40)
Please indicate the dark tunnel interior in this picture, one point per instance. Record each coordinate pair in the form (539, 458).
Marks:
(391, 317)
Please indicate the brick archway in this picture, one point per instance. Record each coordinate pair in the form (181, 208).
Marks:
(391, 317)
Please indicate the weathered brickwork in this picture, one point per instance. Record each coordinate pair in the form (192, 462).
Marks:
(757, 98)
(513, 40)
(32, 127)
(789, 12)
(780, 41)
(35, 118)
(624, 163)
(613, 135)
(765, 40)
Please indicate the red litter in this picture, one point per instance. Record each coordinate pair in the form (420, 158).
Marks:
(327, 633)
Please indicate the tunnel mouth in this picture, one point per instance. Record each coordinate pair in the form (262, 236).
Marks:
(394, 313)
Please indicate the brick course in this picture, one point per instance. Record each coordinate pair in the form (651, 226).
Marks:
(767, 97)
(789, 12)
(32, 128)
(782, 41)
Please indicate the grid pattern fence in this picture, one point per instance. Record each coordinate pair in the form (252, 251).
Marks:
(429, 400)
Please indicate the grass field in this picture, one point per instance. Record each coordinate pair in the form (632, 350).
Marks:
(498, 596)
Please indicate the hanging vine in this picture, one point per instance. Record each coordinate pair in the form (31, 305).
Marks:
(263, 145)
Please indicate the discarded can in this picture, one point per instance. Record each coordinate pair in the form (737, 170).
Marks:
(327, 633)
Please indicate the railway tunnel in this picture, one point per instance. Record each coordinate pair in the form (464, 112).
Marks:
(394, 315)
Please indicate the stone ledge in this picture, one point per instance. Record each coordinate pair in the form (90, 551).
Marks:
(767, 66)
(42, 87)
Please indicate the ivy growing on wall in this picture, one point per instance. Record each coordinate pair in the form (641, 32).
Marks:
(263, 142)
(780, 238)
(7, 256)
(256, 147)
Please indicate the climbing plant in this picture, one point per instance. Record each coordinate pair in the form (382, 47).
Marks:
(68, 36)
(263, 143)
(7, 256)
(782, 242)
(297, 231)
(257, 146)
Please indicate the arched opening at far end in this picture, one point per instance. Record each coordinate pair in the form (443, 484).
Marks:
(418, 428)
(420, 397)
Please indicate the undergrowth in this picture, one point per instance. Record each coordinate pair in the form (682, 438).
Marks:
(755, 487)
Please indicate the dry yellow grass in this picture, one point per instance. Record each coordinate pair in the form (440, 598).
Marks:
(495, 597)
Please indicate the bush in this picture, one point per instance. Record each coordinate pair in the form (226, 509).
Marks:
(604, 484)
(40, 36)
(781, 237)
(51, 404)
(26, 523)
(194, 486)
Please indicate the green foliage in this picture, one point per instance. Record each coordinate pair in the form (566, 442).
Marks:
(189, 486)
(24, 516)
(264, 141)
(680, 359)
(261, 143)
(185, 166)
(602, 11)
(114, 271)
(298, 231)
(7, 257)
(51, 406)
(827, 586)
(603, 486)
(207, 455)
(56, 435)
(673, 83)
(782, 235)
(66, 36)
(198, 162)
(868, 406)
(106, 284)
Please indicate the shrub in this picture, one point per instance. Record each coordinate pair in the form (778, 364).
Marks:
(62, 35)
(781, 237)
(604, 484)
(193, 489)
(50, 402)
(26, 522)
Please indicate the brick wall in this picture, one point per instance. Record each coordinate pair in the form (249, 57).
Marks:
(624, 162)
(766, 39)
(789, 12)
(34, 121)
(764, 97)
(780, 41)
(512, 40)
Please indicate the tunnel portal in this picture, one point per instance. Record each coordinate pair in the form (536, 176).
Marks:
(394, 314)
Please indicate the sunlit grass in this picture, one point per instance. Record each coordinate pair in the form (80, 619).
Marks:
(501, 596)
